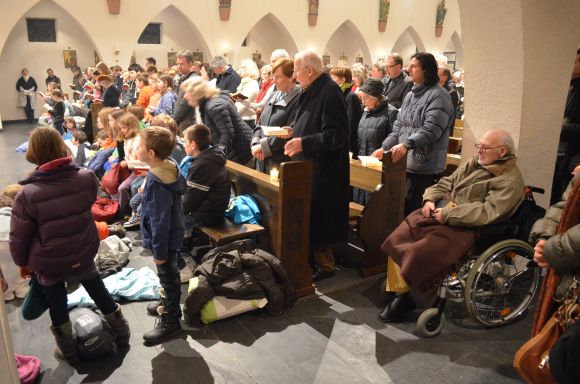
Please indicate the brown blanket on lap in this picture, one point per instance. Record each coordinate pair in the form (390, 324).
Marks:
(426, 250)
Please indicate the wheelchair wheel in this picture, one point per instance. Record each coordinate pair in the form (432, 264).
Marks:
(430, 323)
(500, 285)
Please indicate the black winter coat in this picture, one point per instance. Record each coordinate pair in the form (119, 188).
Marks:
(354, 112)
(275, 114)
(208, 187)
(111, 97)
(228, 130)
(237, 271)
(322, 123)
(374, 127)
(229, 81)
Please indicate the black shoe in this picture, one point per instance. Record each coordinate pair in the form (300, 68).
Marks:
(165, 327)
(319, 274)
(396, 309)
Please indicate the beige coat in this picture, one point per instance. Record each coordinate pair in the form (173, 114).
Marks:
(480, 195)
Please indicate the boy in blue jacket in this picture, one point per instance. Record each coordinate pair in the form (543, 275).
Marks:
(162, 224)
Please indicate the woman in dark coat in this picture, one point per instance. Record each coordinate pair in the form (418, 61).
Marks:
(278, 111)
(219, 113)
(343, 77)
(374, 125)
(53, 235)
(27, 87)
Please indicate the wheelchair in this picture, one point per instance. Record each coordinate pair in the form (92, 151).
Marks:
(496, 281)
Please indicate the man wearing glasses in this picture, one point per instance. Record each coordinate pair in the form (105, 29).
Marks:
(484, 190)
(320, 135)
(398, 83)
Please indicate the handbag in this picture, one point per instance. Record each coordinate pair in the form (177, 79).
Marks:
(112, 180)
(35, 303)
(532, 360)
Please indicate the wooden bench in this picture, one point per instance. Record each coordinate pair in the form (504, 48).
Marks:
(383, 212)
(285, 211)
(229, 232)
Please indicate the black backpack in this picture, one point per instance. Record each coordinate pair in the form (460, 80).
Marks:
(94, 336)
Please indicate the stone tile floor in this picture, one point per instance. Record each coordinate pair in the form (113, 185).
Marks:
(331, 337)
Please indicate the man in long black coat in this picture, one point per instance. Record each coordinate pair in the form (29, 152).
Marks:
(320, 135)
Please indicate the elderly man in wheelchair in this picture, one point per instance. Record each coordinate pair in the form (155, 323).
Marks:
(426, 250)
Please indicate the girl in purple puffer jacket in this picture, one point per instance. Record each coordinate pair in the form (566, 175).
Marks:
(54, 237)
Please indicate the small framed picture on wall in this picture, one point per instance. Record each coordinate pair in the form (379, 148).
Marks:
(198, 56)
(256, 57)
(360, 59)
(171, 59)
(326, 60)
(70, 58)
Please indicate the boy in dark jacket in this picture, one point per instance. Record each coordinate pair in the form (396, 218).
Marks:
(208, 185)
(162, 224)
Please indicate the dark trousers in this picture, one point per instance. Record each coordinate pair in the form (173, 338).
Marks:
(58, 126)
(29, 111)
(57, 299)
(416, 185)
(171, 283)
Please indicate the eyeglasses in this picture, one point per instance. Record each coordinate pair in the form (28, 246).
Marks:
(301, 69)
(484, 149)
(392, 66)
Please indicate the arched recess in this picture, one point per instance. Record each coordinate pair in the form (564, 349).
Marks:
(455, 45)
(268, 34)
(18, 52)
(408, 44)
(177, 33)
(347, 41)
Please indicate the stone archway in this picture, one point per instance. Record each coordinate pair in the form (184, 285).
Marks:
(70, 35)
(347, 41)
(177, 33)
(260, 40)
(408, 43)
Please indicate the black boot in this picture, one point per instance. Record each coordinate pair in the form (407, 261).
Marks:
(166, 326)
(119, 326)
(397, 309)
(66, 343)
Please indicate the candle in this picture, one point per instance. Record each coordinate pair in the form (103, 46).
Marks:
(273, 174)
(350, 155)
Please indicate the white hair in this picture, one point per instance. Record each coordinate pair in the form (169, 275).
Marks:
(505, 138)
(310, 59)
(278, 54)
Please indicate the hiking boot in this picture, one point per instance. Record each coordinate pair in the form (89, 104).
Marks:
(166, 326)
(117, 230)
(66, 343)
(133, 222)
(119, 326)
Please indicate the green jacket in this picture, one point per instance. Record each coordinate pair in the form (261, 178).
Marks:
(479, 195)
(561, 251)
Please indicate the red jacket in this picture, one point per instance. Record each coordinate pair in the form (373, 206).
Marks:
(52, 230)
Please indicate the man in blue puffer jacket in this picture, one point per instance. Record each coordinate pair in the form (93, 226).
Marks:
(421, 131)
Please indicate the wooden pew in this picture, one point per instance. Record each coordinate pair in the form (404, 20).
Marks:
(95, 108)
(285, 211)
(384, 211)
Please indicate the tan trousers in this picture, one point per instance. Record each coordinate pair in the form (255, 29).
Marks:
(395, 282)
